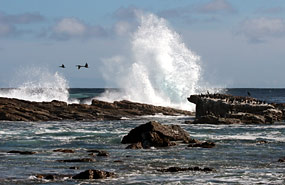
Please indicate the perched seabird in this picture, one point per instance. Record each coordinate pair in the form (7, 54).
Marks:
(248, 93)
(62, 66)
(86, 65)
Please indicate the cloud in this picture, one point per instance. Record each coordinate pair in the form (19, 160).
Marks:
(26, 18)
(261, 29)
(68, 28)
(273, 10)
(127, 20)
(200, 13)
(9, 23)
(217, 6)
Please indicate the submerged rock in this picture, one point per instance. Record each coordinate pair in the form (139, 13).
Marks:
(178, 169)
(154, 134)
(228, 109)
(21, 110)
(64, 150)
(205, 144)
(94, 174)
(77, 160)
(22, 152)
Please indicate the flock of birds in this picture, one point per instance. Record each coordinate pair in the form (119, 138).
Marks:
(78, 66)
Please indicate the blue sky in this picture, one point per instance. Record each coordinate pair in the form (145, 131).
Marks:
(241, 43)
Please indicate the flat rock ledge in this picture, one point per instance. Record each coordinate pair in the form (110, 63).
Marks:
(154, 134)
(20, 110)
(228, 109)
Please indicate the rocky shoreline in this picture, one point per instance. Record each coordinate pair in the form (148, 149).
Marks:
(21, 110)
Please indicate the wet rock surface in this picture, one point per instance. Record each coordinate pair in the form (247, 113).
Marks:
(77, 160)
(94, 174)
(281, 160)
(179, 169)
(228, 109)
(206, 144)
(20, 110)
(154, 134)
(22, 152)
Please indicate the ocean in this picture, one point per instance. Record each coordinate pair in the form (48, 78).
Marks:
(240, 157)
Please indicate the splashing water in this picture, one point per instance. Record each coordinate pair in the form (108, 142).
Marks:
(162, 71)
(39, 85)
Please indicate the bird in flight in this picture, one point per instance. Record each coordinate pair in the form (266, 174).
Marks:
(79, 66)
(62, 66)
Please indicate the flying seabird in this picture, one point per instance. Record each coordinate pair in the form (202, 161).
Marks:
(79, 66)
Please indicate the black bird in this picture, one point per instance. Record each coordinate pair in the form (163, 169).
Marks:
(79, 66)
(62, 66)
(248, 93)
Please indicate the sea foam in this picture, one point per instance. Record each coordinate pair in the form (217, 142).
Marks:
(38, 84)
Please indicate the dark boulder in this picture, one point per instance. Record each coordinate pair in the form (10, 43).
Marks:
(157, 135)
(94, 174)
(281, 160)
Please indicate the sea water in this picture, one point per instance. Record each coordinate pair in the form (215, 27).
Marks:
(163, 71)
(238, 158)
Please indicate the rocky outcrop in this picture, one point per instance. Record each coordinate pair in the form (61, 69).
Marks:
(21, 110)
(228, 109)
(154, 134)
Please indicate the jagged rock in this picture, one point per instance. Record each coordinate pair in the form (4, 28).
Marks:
(77, 160)
(228, 109)
(156, 134)
(22, 152)
(20, 110)
(93, 174)
(178, 169)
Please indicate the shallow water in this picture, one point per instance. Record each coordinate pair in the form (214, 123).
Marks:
(238, 157)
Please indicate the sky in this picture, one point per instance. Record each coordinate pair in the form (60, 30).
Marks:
(241, 43)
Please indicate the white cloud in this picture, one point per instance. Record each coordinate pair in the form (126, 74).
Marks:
(9, 22)
(68, 28)
(260, 29)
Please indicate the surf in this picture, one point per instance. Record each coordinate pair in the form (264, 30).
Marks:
(161, 69)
